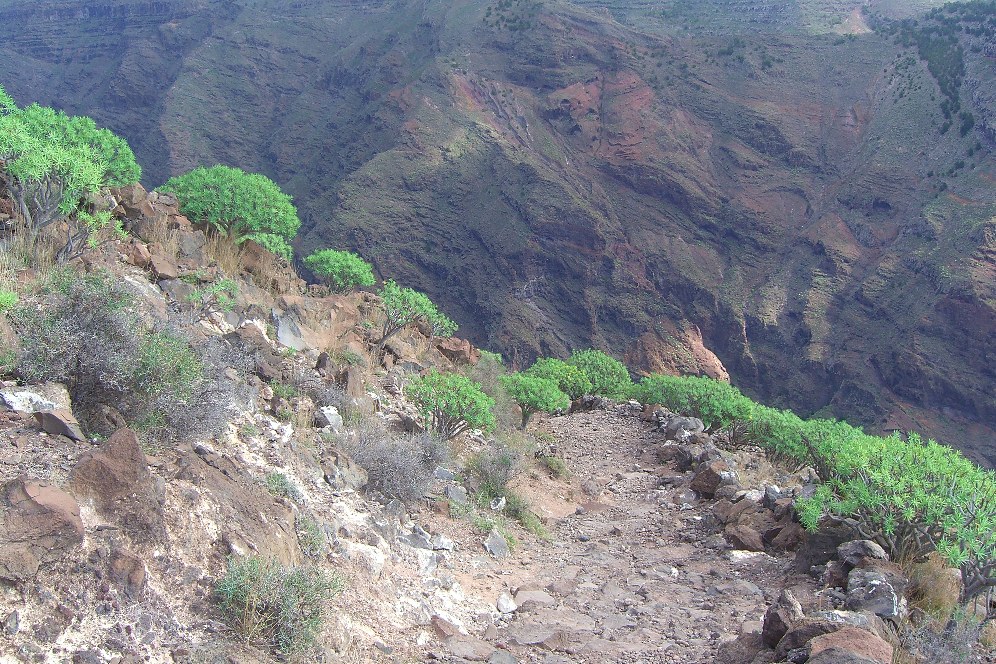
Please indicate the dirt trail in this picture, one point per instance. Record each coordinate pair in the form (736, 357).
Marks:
(638, 573)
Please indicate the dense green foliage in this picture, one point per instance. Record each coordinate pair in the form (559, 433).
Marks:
(451, 403)
(283, 606)
(51, 164)
(7, 299)
(245, 206)
(608, 376)
(716, 403)
(342, 271)
(535, 394)
(405, 306)
(911, 496)
(937, 38)
(571, 380)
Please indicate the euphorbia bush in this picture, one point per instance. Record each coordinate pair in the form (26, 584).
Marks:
(534, 394)
(450, 403)
(571, 380)
(608, 376)
(342, 271)
(244, 206)
(716, 403)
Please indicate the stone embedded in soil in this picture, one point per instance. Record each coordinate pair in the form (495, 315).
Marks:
(116, 476)
(506, 604)
(496, 545)
(879, 591)
(529, 600)
(854, 552)
(60, 423)
(708, 478)
(744, 538)
(469, 648)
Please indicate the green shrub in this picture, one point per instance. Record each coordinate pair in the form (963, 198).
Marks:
(488, 374)
(167, 366)
(556, 465)
(342, 271)
(451, 403)
(716, 403)
(218, 296)
(310, 537)
(608, 376)
(280, 485)
(53, 162)
(571, 380)
(283, 390)
(285, 607)
(244, 206)
(494, 467)
(7, 300)
(82, 333)
(534, 394)
(404, 306)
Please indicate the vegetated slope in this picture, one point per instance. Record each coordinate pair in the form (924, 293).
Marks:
(556, 179)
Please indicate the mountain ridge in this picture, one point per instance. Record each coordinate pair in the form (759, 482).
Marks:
(570, 181)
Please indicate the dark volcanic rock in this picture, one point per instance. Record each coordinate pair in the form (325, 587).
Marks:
(116, 477)
(39, 524)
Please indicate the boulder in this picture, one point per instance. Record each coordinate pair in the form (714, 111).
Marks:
(506, 604)
(708, 478)
(789, 538)
(353, 382)
(60, 423)
(496, 545)
(164, 267)
(851, 642)
(309, 322)
(780, 617)
(35, 398)
(243, 518)
(802, 632)
(530, 600)
(129, 572)
(741, 650)
(137, 253)
(469, 648)
(39, 524)
(743, 537)
(853, 553)
(191, 245)
(879, 590)
(341, 472)
(680, 428)
(866, 621)
(838, 656)
(328, 416)
(116, 478)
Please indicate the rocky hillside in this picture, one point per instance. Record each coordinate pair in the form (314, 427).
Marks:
(792, 205)
(647, 539)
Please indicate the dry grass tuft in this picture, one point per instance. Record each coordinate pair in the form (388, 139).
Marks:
(168, 238)
(224, 252)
